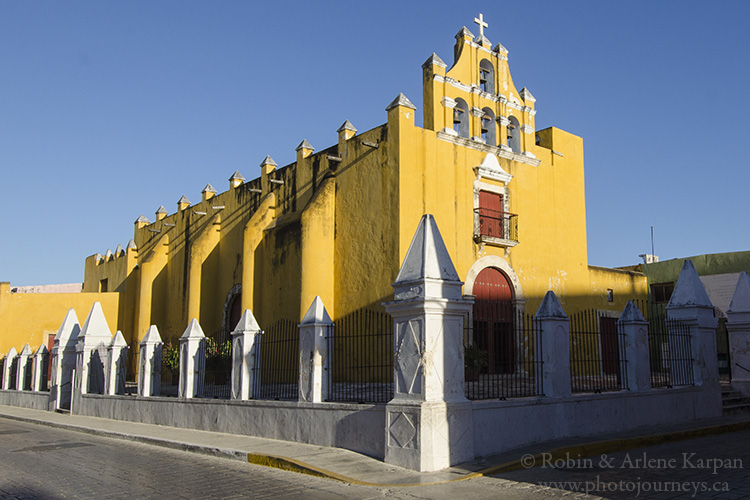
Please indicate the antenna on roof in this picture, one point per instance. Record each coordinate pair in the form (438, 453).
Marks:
(652, 241)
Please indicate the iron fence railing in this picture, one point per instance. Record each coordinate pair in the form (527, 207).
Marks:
(170, 370)
(597, 353)
(494, 224)
(361, 349)
(2, 372)
(45, 360)
(218, 376)
(13, 375)
(670, 352)
(276, 370)
(502, 353)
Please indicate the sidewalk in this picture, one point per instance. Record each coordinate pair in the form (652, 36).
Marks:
(354, 468)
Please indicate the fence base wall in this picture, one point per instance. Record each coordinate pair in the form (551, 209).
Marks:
(25, 399)
(326, 424)
(503, 425)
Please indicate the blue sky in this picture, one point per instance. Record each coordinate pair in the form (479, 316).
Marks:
(110, 109)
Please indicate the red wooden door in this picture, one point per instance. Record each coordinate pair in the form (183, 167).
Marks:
(610, 351)
(493, 320)
(491, 214)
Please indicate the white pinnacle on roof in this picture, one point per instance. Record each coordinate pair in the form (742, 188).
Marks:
(400, 100)
(131, 245)
(161, 210)
(526, 95)
(464, 31)
(435, 60)
(208, 189)
(304, 145)
(347, 125)
(268, 161)
(142, 219)
(237, 176)
(184, 199)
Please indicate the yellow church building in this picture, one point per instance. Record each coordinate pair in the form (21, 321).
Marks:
(509, 201)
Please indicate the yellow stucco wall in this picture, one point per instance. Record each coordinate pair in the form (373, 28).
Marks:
(30, 318)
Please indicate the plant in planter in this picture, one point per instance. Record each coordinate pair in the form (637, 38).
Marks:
(475, 359)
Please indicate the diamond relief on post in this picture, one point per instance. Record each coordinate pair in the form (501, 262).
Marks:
(402, 431)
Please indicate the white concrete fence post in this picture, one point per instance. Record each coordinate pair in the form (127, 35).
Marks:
(37, 368)
(314, 358)
(554, 333)
(429, 420)
(245, 355)
(91, 352)
(149, 363)
(690, 305)
(22, 367)
(63, 362)
(738, 326)
(635, 337)
(7, 366)
(117, 359)
(192, 361)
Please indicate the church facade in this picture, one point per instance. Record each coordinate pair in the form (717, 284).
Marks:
(509, 201)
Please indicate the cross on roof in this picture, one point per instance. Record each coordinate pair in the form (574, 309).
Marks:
(481, 23)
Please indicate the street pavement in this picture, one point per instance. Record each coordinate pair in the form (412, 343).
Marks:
(51, 455)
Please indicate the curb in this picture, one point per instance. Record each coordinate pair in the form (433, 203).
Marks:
(294, 465)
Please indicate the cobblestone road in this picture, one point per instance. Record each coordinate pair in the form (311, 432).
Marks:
(38, 462)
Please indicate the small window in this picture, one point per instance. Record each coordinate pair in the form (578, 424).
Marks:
(103, 285)
(661, 292)
(610, 295)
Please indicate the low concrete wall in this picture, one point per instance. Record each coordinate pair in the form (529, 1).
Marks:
(25, 399)
(356, 427)
(503, 425)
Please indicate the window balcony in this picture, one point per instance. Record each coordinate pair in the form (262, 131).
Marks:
(495, 228)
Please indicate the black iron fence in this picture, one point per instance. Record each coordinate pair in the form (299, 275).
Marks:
(13, 375)
(361, 350)
(2, 372)
(276, 370)
(502, 352)
(45, 360)
(597, 353)
(170, 370)
(217, 382)
(670, 351)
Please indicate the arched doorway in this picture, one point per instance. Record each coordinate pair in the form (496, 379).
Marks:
(232, 312)
(493, 314)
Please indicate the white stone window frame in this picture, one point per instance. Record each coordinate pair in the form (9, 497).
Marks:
(484, 171)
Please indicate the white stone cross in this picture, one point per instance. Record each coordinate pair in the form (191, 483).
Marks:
(481, 23)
